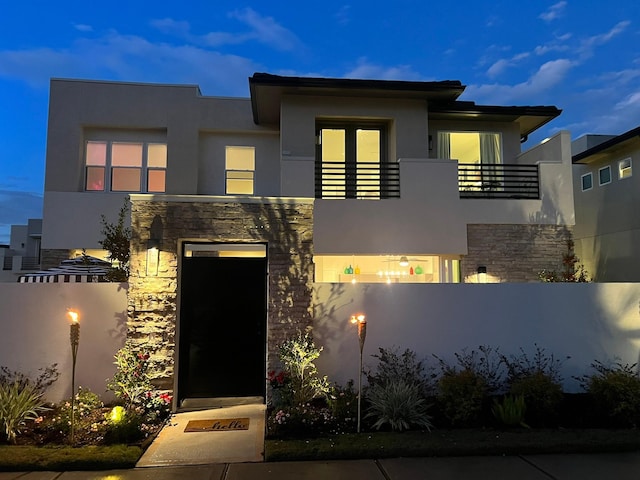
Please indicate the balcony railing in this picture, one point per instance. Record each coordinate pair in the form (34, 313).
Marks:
(498, 181)
(357, 180)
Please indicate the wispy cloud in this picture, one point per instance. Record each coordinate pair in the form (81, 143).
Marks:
(266, 30)
(365, 69)
(131, 58)
(588, 44)
(503, 64)
(262, 29)
(343, 16)
(547, 76)
(554, 12)
(81, 27)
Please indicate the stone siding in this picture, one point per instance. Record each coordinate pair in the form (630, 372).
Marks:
(286, 227)
(51, 257)
(514, 253)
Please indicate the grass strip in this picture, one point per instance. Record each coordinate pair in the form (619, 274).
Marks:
(17, 458)
(441, 443)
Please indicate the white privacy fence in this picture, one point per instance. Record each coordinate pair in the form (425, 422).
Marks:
(35, 331)
(584, 321)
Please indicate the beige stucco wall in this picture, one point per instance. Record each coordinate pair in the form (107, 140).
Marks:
(584, 321)
(35, 331)
(607, 230)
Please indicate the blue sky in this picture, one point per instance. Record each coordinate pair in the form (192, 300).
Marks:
(579, 55)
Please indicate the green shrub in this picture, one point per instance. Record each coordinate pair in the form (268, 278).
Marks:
(392, 365)
(305, 384)
(302, 420)
(616, 392)
(511, 411)
(537, 378)
(399, 404)
(542, 395)
(19, 402)
(48, 375)
(127, 429)
(86, 402)
(485, 362)
(461, 395)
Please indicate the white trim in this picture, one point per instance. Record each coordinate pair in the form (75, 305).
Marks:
(600, 170)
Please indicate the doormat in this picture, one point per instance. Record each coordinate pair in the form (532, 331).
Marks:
(217, 425)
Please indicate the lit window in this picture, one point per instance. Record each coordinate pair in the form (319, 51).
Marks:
(624, 168)
(470, 147)
(587, 181)
(604, 175)
(240, 166)
(352, 161)
(125, 166)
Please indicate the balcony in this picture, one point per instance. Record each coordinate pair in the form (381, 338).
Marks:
(371, 180)
(504, 181)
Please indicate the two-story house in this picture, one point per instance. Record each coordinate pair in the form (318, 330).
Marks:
(607, 229)
(239, 206)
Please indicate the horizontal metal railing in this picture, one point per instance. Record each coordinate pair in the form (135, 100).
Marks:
(502, 180)
(357, 180)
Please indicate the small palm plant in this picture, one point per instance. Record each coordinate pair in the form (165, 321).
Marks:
(511, 411)
(19, 402)
(399, 404)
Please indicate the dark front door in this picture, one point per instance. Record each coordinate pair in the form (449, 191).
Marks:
(222, 327)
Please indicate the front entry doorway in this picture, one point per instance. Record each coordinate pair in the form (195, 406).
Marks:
(222, 324)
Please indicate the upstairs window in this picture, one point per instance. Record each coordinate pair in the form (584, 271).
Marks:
(587, 181)
(351, 161)
(624, 168)
(125, 167)
(240, 166)
(470, 147)
(604, 175)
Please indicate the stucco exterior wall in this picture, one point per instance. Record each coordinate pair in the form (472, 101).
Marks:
(607, 223)
(35, 331)
(585, 321)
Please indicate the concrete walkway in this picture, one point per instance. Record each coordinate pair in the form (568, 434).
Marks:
(174, 446)
(622, 466)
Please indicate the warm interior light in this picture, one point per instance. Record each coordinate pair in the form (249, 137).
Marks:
(404, 262)
(73, 315)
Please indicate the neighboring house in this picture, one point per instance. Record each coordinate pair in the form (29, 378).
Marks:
(23, 252)
(607, 195)
(240, 206)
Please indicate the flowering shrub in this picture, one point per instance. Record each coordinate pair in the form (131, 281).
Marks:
(300, 421)
(305, 384)
(131, 381)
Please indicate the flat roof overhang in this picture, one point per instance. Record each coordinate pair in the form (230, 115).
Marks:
(609, 146)
(267, 91)
(530, 118)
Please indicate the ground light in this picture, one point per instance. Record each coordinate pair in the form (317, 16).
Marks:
(74, 338)
(361, 321)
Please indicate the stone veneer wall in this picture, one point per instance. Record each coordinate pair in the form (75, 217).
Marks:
(51, 257)
(286, 226)
(514, 253)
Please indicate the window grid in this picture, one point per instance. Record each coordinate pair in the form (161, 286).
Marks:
(125, 166)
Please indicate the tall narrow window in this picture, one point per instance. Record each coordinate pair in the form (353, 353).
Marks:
(240, 165)
(96, 164)
(351, 162)
(587, 181)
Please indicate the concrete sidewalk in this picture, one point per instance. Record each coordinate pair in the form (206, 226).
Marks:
(621, 466)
